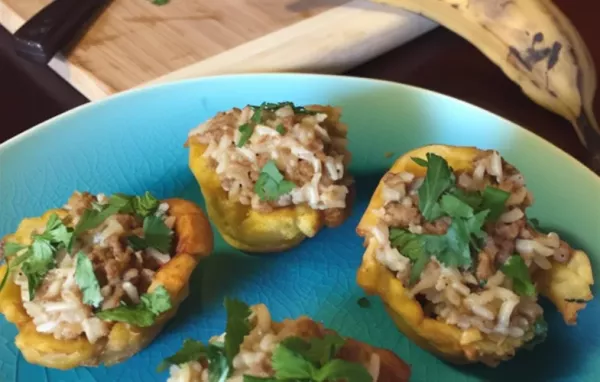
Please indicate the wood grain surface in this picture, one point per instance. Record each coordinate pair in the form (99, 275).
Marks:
(439, 61)
(134, 41)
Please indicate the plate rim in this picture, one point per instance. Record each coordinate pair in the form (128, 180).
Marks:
(36, 129)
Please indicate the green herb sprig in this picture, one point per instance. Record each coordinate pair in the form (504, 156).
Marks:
(143, 314)
(516, 269)
(294, 359)
(247, 129)
(39, 257)
(219, 355)
(438, 197)
(270, 184)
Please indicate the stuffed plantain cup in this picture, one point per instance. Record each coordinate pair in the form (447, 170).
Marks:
(458, 264)
(255, 348)
(95, 281)
(273, 174)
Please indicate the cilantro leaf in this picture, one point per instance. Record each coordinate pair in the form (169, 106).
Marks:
(471, 198)
(190, 351)
(246, 131)
(421, 162)
(364, 302)
(238, 327)
(458, 239)
(517, 270)
(290, 365)
(272, 106)
(219, 367)
(438, 179)
(136, 315)
(142, 206)
(38, 264)
(143, 314)
(158, 301)
(270, 184)
(5, 277)
(92, 218)
(314, 360)
(280, 129)
(494, 200)
(418, 248)
(156, 235)
(40, 255)
(540, 330)
(323, 349)
(12, 249)
(534, 223)
(251, 378)
(338, 369)
(455, 207)
(160, 2)
(145, 205)
(258, 115)
(87, 281)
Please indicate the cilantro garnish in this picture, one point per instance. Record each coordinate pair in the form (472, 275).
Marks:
(219, 355)
(87, 281)
(237, 327)
(494, 200)
(160, 2)
(418, 248)
(517, 270)
(270, 184)
(540, 330)
(143, 314)
(439, 196)
(294, 359)
(314, 360)
(271, 106)
(453, 249)
(12, 248)
(280, 129)
(439, 184)
(190, 351)
(246, 131)
(142, 206)
(438, 179)
(156, 235)
(92, 218)
(364, 302)
(39, 257)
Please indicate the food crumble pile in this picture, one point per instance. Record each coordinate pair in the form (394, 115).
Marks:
(93, 266)
(462, 246)
(254, 348)
(279, 154)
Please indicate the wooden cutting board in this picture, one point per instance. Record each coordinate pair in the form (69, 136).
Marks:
(134, 42)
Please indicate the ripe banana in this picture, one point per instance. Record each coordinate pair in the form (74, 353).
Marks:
(535, 45)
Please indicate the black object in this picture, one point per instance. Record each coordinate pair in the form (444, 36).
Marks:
(54, 28)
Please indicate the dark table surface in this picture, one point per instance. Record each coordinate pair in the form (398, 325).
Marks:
(440, 61)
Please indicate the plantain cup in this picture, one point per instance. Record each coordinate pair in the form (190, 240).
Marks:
(193, 241)
(566, 284)
(259, 231)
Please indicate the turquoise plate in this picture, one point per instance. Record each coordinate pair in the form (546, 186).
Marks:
(133, 142)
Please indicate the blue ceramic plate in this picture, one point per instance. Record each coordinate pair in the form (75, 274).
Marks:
(133, 142)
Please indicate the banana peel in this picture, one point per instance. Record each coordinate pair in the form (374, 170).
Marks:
(566, 285)
(535, 45)
(194, 241)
